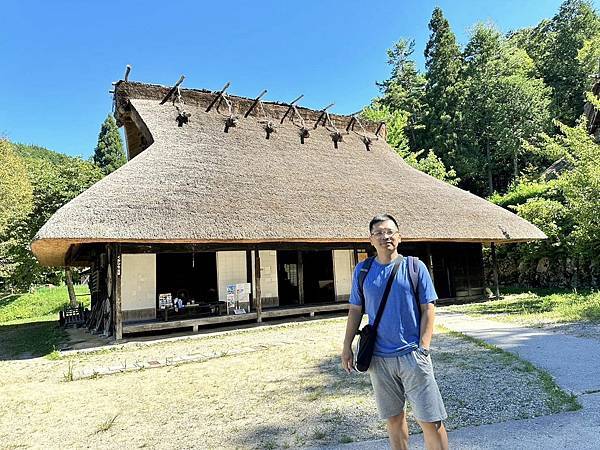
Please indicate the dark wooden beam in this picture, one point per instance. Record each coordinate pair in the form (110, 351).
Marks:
(323, 111)
(290, 107)
(495, 264)
(258, 302)
(172, 90)
(300, 278)
(218, 97)
(350, 124)
(117, 282)
(430, 262)
(256, 100)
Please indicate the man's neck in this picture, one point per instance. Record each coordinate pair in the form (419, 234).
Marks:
(386, 257)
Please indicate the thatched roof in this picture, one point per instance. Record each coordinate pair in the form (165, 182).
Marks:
(198, 184)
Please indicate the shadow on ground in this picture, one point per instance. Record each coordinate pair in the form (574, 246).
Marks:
(30, 340)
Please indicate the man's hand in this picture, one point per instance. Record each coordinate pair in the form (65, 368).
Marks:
(347, 359)
(354, 317)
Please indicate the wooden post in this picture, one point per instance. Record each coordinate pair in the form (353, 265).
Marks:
(495, 264)
(300, 279)
(258, 300)
(249, 275)
(430, 262)
(70, 289)
(117, 282)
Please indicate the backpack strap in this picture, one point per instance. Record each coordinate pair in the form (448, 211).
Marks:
(364, 270)
(413, 271)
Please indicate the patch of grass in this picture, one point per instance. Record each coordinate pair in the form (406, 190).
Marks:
(107, 424)
(540, 306)
(319, 434)
(558, 400)
(54, 355)
(42, 304)
(345, 439)
(68, 376)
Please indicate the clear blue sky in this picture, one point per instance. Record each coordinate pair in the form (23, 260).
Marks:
(59, 57)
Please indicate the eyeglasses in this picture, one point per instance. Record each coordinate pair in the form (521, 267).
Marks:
(380, 234)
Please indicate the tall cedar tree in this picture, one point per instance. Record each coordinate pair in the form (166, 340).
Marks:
(575, 23)
(504, 105)
(404, 90)
(109, 154)
(442, 94)
(554, 45)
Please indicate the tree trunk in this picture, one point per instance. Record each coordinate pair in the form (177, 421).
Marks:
(70, 289)
(489, 168)
(515, 166)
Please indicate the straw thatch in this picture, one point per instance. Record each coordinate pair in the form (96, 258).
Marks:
(196, 183)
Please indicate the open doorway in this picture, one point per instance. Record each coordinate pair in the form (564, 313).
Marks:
(318, 276)
(189, 276)
(287, 277)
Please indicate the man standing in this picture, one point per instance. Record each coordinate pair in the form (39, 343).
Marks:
(401, 367)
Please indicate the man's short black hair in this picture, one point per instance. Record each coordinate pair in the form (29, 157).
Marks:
(381, 218)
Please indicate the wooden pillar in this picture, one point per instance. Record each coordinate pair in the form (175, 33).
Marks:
(495, 266)
(430, 262)
(118, 306)
(258, 300)
(249, 275)
(300, 279)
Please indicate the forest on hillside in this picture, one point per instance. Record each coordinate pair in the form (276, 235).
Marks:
(501, 115)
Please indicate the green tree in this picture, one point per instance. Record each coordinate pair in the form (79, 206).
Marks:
(442, 93)
(504, 106)
(54, 184)
(396, 123)
(16, 195)
(404, 90)
(581, 187)
(555, 46)
(109, 154)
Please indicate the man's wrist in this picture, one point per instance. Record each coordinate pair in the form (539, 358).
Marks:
(424, 350)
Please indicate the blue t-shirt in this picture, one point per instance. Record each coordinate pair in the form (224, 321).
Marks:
(398, 331)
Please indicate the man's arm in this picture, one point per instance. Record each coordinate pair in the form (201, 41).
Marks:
(354, 317)
(427, 318)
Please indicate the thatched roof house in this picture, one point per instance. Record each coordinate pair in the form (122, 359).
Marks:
(201, 181)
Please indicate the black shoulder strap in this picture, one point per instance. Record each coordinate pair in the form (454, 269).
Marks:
(364, 270)
(386, 293)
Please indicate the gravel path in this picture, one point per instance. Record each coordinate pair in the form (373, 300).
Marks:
(285, 390)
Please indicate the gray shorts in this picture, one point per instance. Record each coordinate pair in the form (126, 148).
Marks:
(409, 377)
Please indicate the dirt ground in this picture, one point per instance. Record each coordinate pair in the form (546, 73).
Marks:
(270, 387)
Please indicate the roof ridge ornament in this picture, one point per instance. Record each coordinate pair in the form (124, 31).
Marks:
(172, 90)
(366, 139)
(304, 133)
(335, 134)
(291, 106)
(182, 116)
(268, 124)
(254, 103)
(218, 97)
(323, 112)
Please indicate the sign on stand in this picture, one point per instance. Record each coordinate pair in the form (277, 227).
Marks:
(238, 298)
